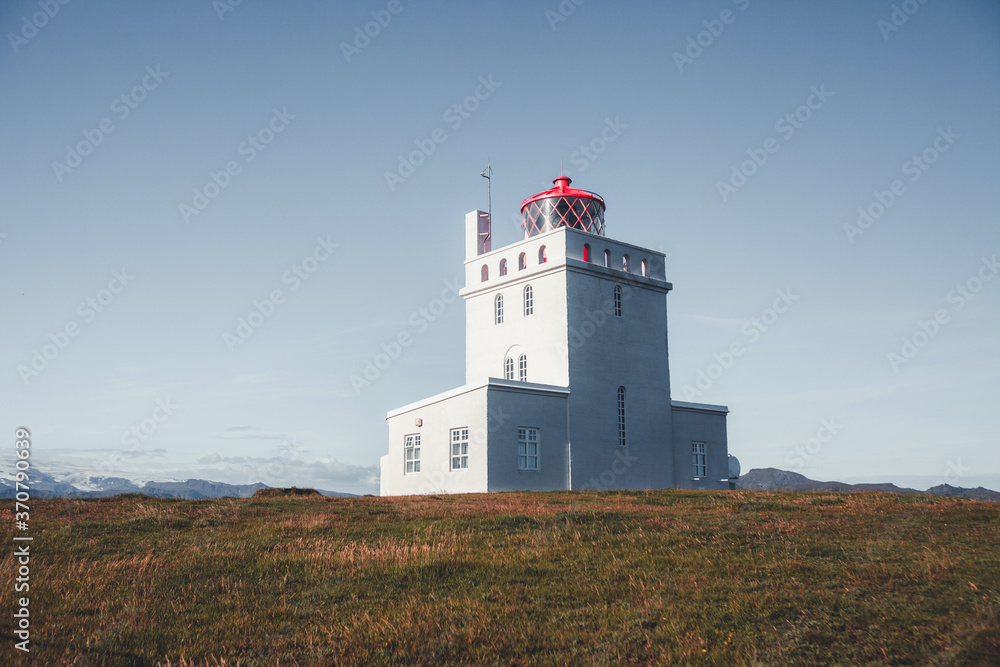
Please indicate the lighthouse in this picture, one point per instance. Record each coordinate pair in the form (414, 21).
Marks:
(567, 370)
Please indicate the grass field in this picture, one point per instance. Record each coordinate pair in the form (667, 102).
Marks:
(658, 577)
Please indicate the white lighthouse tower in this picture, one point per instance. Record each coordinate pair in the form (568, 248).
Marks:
(567, 370)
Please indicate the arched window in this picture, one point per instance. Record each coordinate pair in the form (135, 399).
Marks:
(618, 300)
(522, 368)
(586, 252)
(607, 259)
(508, 368)
(522, 262)
(485, 273)
(626, 264)
(621, 416)
(645, 267)
(499, 309)
(529, 300)
(542, 257)
(503, 267)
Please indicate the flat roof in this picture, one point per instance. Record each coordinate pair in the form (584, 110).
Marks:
(515, 385)
(701, 407)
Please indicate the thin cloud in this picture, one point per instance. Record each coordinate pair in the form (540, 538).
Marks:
(255, 433)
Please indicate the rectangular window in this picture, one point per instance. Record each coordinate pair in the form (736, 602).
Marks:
(621, 417)
(527, 448)
(411, 447)
(698, 464)
(459, 448)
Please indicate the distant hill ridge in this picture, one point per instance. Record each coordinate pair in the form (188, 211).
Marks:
(773, 479)
(758, 479)
(46, 486)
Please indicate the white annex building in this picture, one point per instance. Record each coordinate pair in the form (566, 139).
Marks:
(567, 376)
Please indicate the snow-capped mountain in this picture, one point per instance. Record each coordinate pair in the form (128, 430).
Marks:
(82, 485)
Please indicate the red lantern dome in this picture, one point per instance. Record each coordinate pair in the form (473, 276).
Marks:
(563, 206)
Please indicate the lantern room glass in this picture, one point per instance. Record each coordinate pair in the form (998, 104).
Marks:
(550, 213)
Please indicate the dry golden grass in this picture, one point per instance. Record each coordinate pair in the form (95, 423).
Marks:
(662, 577)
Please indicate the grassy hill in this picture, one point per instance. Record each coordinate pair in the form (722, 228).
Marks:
(715, 578)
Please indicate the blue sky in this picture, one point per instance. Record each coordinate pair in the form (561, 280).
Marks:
(890, 108)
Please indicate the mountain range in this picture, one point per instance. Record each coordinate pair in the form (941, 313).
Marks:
(43, 485)
(773, 479)
(759, 479)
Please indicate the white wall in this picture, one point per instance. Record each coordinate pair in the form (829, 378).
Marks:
(492, 412)
(462, 407)
(539, 335)
(696, 422)
(605, 352)
(516, 404)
